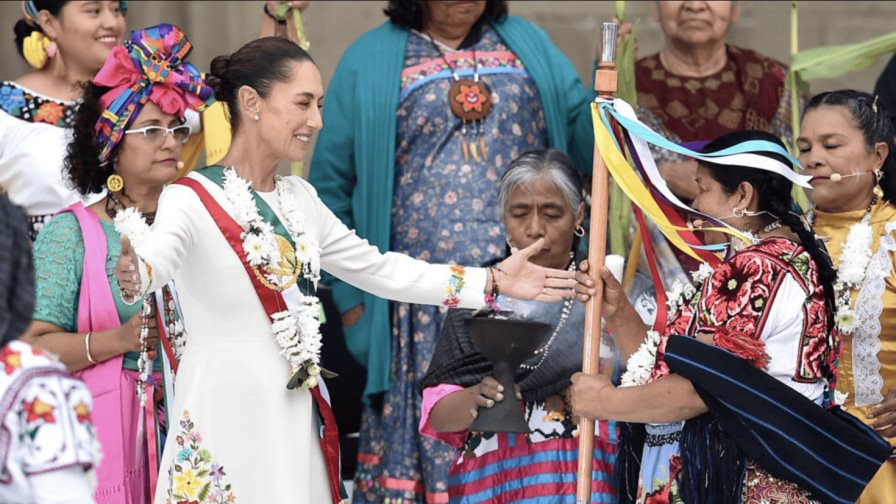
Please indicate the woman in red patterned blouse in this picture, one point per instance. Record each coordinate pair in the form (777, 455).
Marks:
(769, 304)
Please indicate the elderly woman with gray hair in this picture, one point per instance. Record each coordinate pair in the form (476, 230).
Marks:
(541, 196)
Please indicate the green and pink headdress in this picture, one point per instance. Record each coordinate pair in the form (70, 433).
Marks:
(149, 66)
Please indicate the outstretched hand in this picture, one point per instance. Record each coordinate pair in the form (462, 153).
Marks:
(127, 273)
(521, 279)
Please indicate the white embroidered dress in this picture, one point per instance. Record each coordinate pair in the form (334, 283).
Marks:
(236, 430)
(47, 444)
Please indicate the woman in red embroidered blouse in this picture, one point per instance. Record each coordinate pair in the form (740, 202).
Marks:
(768, 304)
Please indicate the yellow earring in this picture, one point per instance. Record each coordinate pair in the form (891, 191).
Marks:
(115, 183)
(34, 48)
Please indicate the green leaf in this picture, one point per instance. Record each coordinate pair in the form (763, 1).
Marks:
(205, 455)
(837, 60)
(203, 494)
(178, 468)
(203, 473)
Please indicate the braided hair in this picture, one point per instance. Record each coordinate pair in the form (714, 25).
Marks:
(774, 197)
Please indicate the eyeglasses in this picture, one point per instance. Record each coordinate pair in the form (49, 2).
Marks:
(157, 134)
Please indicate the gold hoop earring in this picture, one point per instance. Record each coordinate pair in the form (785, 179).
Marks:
(114, 183)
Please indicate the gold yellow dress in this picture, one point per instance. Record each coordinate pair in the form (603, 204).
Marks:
(834, 227)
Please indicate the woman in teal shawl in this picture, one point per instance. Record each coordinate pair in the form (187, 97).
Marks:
(395, 163)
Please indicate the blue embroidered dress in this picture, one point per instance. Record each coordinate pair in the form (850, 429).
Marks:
(445, 209)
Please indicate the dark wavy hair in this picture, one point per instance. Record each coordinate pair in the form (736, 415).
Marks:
(875, 123)
(774, 196)
(82, 160)
(409, 13)
(258, 64)
(23, 29)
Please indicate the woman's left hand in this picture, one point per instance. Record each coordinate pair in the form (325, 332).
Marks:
(521, 279)
(585, 394)
(883, 416)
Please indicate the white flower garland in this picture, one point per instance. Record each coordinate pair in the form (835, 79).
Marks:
(854, 259)
(298, 333)
(640, 364)
(131, 223)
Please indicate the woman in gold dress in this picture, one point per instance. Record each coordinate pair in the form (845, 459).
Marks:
(846, 144)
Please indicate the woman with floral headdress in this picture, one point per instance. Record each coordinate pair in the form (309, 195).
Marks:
(128, 134)
(66, 42)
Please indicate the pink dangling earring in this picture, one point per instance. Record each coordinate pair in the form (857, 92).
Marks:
(51, 50)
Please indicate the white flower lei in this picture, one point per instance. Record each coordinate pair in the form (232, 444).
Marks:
(298, 334)
(640, 364)
(854, 259)
(131, 223)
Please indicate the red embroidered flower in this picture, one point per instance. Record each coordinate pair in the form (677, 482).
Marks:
(49, 112)
(674, 467)
(39, 410)
(82, 411)
(744, 278)
(815, 356)
(11, 359)
(471, 97)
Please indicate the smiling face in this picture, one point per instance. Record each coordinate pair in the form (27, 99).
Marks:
(147, 162)
(291, 114)
(695, 22)
(85, 32)
(539, 210)
(830, 143)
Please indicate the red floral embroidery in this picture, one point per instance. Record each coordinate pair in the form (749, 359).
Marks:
(82, 411)
(11, 359)
(39, 410)
(50, 113)
(735, 299)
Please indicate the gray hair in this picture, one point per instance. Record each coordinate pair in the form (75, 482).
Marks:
(545, 164)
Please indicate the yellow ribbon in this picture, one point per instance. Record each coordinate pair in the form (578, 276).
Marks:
(631, 184)
(34, 48)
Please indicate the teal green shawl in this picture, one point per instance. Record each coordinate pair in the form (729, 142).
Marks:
(354, 159)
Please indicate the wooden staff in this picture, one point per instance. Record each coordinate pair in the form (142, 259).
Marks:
(605, 85)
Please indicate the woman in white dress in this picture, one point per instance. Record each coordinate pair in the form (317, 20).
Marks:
(246, 248)
(66, 43)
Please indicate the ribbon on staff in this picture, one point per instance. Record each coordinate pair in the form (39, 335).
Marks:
(647, 189)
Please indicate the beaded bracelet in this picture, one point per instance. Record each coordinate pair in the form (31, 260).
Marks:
(455, 285)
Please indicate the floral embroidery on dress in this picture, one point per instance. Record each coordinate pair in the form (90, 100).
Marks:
(26, 105)
(735, 300)
(193, 478)
(11, 360)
